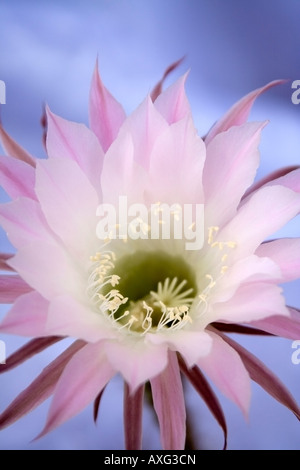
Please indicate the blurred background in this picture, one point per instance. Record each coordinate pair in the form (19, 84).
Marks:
(47, 55)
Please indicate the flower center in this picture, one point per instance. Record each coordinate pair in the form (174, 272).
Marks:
(155, 290)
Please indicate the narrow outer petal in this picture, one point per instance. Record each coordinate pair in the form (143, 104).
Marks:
(27, 317)
(239, 112)
(17, 177)
(264, 377)
(168, 400)
(40, 389)
(11, 287)
(173, 103)
(133, 409)
(226, 369)
(198, 380)
(15, 150)
(83, 378)
(279, 325)
(272, 178)
(27, 351)
(4, 257)
(106, 114)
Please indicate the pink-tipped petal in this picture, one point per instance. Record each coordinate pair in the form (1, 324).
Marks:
(158, 87)
(17, 177)
(11, 287)
(15, 150)
(30, 349)
(272, 178)
(136, 361)
(4, 257)
(264, 377)
(180, 154)
(287, 327)
(252, 301)
(106, 114)
(173, 104)
(37, 262)
(122, 175)
(230, 167)
(285, 253)
(133, 410)
(69, 203)
(27, 317)
(40, 389)
(144, 126)
(168, 400)
(200, 383)
(225, 368)
(265, 212)
(24, 222)
(239, 112)
(73, 141)
(85, 375)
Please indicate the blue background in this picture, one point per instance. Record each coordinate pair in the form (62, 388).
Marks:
(47, 54)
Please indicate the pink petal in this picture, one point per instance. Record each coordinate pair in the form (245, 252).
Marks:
(247, 270)
(106, 114)
(180, 154)
(230, 167)
(173, 104)
(4, 266)
(73, 141)
(69, 317)
(272, 178)
(48, 269)
(15, 150)
(137, 361)
(85, 375)
(198, 380)
(158, 87)
(285, 253)
(225, 368)
(239, 113)
(252, 301)
(40, 389)
(168, 400)
(264, 377)
(262, 214)
(122, 175)
(27, 317)
(287, 327)
(11, 287)
(133, 409)
(69, 203)
(17, 177)
(97, 402)
(24, 222)
(30, 349)
(190, 344)
(144, 126)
